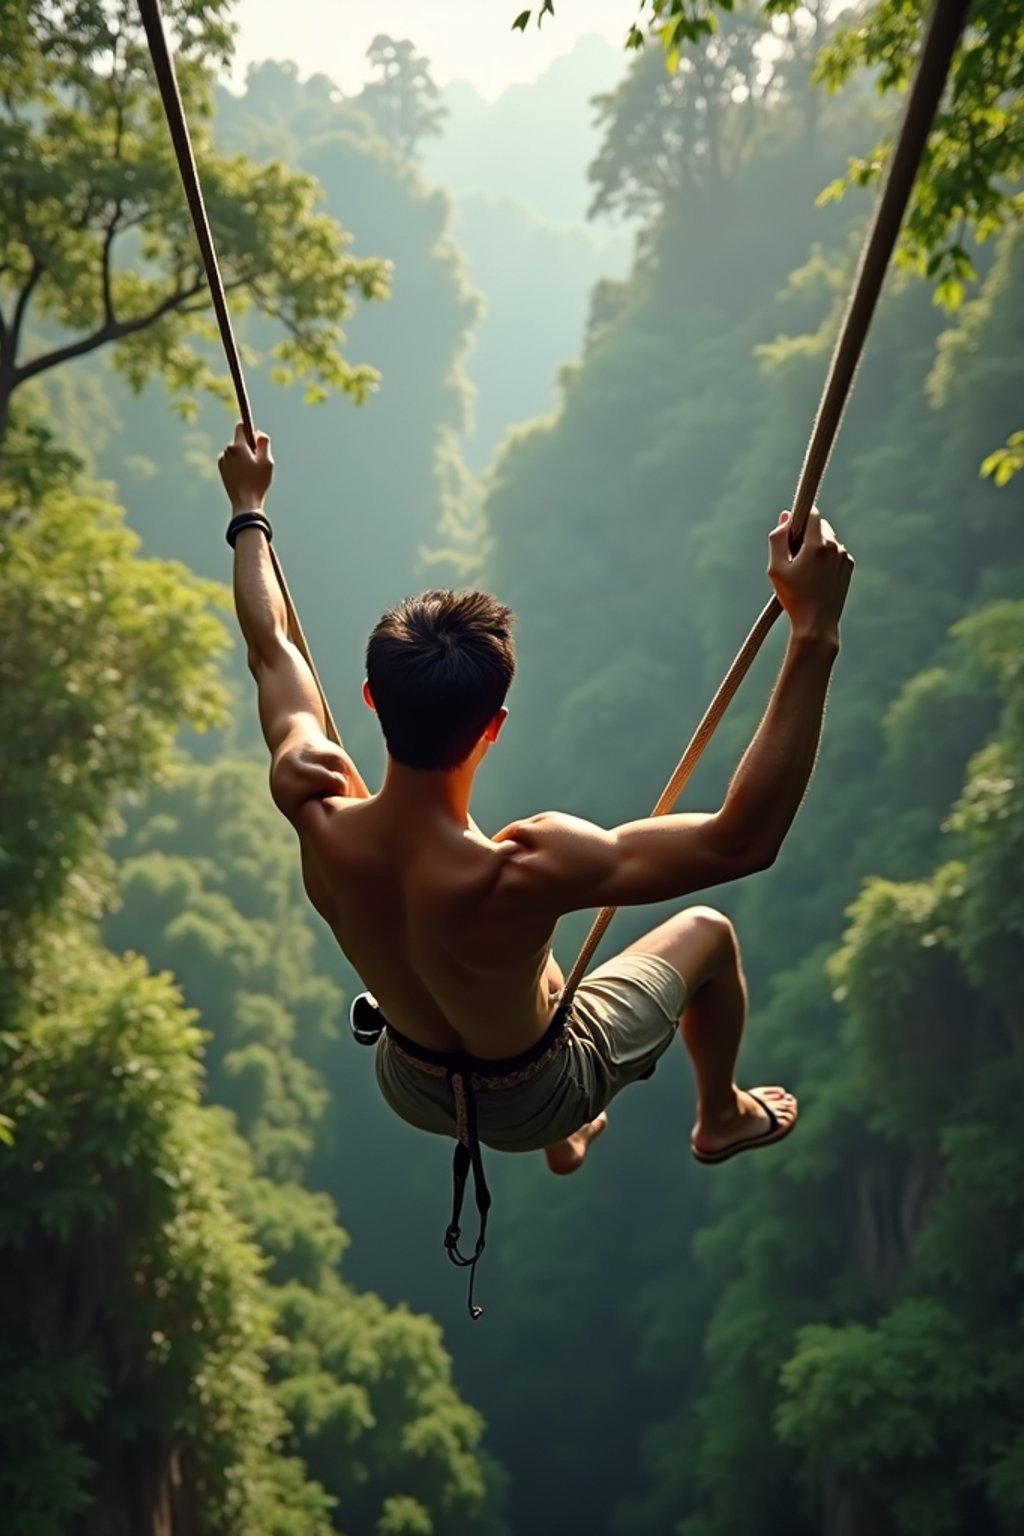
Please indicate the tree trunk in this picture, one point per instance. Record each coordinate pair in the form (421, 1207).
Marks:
(6, 391)
(893, 1198)
(850, 1509)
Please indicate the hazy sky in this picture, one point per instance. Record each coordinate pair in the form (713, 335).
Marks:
(464, 39)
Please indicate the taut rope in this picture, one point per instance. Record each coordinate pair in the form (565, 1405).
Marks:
(167, 80)
(947, 22)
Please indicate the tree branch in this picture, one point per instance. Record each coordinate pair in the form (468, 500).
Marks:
(118, 97)
(247, 280)
(109, 318)
(21, 309)
(106, 333)
(134, 222)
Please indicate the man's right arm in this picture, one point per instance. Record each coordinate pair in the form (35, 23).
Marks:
(576, 865)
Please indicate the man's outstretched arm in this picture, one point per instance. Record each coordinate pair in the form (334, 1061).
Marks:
(572, 864)
(305, 765)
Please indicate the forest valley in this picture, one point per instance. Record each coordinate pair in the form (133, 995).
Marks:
(225, 1310)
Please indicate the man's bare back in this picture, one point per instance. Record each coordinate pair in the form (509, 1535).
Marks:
(418, 903)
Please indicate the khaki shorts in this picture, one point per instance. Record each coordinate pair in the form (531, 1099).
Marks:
(623, 1019)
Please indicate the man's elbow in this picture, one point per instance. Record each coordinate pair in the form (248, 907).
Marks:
(758, 858)
(263, 654)
(745, 853)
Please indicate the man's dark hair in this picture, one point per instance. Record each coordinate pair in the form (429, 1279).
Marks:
(439, 667)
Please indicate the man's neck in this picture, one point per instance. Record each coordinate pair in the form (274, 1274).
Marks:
(420, 792)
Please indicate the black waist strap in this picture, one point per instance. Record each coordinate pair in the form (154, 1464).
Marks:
(481, 1066)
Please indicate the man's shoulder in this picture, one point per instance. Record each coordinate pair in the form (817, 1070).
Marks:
(546, 828)
(309, 771)
(549, 852)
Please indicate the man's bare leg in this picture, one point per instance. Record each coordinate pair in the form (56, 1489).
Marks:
(700, 944)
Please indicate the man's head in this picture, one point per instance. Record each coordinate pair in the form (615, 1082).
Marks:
(438, 668)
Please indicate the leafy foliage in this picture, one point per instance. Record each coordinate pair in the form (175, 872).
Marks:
(672, 134)
(95, 241)
(375, 1382)
(969, 181)
(969, 184)
(930, 1382)
(139, 1307)
(404, 101)
(210, 891)
(675, 22)
(366, 1388)
(102, 655)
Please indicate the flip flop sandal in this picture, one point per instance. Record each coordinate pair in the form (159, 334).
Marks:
(776, 1132)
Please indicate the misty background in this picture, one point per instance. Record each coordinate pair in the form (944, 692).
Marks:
(613, 294)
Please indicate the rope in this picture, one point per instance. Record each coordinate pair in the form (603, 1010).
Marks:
(167, 81)
(947, 22)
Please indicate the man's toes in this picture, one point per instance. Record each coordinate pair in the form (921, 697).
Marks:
(784, 1109)
(779, 1101)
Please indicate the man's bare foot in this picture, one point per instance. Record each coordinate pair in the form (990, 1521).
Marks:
(758, 1118)
(566, 1156)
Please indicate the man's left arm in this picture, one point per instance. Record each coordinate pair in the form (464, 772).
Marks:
(306, 766)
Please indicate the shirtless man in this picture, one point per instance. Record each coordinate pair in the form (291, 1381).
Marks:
(451, 929)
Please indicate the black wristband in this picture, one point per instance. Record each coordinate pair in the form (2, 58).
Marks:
(243, 520)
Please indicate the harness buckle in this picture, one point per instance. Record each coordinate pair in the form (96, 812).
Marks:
(365, 1019)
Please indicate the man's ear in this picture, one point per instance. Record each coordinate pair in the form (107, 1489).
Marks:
(492, 730)
(368, 697)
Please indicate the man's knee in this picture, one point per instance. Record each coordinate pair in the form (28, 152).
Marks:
(714, 927)
(698, 942)
(710, 939)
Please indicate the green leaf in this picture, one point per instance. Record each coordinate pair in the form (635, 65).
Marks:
(521, 22)
(833, 193)
(950, 294)
(1002, 465)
